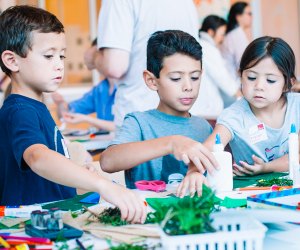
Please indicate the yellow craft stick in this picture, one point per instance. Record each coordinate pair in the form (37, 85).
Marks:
(4, 243)
(22, 247)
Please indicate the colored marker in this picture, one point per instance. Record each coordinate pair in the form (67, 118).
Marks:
(4, 243)
(31, 239)
(79, 243)
(279, 188)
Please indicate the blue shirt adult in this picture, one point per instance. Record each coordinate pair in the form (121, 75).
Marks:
(25, 122)
(141, 126)
(98, 100)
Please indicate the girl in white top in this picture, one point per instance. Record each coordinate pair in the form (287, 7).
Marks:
(215, 76)
(257, 127)
(238, 35)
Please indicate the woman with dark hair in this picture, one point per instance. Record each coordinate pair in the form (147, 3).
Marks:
(216, 80)
(238, 35)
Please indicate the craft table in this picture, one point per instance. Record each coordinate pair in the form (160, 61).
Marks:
(280, 235)
(99, 142)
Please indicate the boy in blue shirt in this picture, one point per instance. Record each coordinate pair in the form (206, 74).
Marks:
(157, 144)
(99, 100)
(33, 157)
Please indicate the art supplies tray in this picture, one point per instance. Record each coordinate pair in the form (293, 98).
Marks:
(289, 199)
(67, 232)
(234, 232)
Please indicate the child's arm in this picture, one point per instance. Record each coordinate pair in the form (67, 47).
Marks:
(224, 133)
(59, 169)
(99, 123)
(128, 155)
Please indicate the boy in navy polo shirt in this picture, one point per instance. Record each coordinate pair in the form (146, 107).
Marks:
(33, 156)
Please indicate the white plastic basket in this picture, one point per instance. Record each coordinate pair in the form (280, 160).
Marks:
(234, 232)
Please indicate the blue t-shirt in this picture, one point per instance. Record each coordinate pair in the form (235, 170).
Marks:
(98, 100)
(25, 122)
(251, 137)
(141, 126)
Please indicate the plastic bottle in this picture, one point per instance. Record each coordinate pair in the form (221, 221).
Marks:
(294, 156)
(222, 179)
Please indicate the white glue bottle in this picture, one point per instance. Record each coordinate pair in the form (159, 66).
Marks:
(294, 156)
(222, 179)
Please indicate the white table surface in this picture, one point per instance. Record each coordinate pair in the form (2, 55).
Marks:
(280, 235)
(96, 143)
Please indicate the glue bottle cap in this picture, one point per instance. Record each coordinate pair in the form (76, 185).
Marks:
(218, 144)
(293, 128)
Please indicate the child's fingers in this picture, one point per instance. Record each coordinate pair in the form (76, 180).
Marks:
(209, 156)
(244, 168)
(139, 213)
(248, 169)
(236, 170)
(257, 159)
(137, 210)
(131, 214)
(199, 185)
(199, 160)
(136, 207)
(144, 214)
(196, 161)
(207, 165)
(238, 173)
(185, 159)
(124, 210)
(192, 187)
(181, 190)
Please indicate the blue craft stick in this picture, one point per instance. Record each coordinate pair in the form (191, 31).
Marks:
(92, 199)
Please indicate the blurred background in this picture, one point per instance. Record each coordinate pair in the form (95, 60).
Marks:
(276, 18)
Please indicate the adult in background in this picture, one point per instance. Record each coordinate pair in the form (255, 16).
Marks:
(238, 35)
(215, 77)
(124, 28)
(98, 100)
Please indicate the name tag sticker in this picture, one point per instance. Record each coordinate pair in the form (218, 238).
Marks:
(257, 133)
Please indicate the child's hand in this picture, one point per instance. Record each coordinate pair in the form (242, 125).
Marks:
(190, 151)
(74, 118)
(132, 208)
(192, 181)
(246, 169)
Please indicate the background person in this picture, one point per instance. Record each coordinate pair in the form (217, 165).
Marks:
(124, 29)
(99, 100)
(238, 35)
(215, 77)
